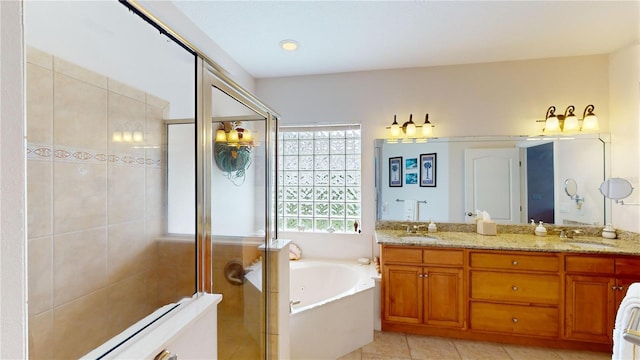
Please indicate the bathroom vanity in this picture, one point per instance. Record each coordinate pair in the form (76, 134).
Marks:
(514, 288)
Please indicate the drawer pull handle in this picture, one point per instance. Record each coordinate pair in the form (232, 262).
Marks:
(515, 320)
(514, 288)
(515, 262)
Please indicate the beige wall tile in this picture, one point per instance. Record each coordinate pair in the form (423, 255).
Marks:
(126, 90)
(126, 193)
(39, 104)
(81, 325)
(125, 114)
(80, 193)
(79, 73)
(155, 193)
(39, 57)
(80, 253)
(127, 300)
(127, 250)
(41, 336)
(39, 199)
(80, 114)
(156, 101)
(40, 270)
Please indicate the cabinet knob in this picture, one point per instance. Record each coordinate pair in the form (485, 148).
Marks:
(420, 275)
(620, 288)
(514, 288)
(515, 262)
(614, 287)
(515, 320)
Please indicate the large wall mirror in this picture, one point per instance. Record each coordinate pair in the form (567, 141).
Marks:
(513, 178)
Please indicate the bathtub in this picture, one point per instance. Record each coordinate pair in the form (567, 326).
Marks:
(331, 308)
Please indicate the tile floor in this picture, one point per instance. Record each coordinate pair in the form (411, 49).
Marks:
(399, 346)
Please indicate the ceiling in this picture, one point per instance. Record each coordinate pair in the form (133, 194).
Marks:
(345, 36)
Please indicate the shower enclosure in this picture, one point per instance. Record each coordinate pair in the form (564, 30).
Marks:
(132, 203)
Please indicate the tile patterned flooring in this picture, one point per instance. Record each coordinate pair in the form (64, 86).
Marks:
(399, 346)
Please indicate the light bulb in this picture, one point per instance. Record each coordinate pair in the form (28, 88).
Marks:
(137, 136)
(427, 130)
(411, 129)
(246, 136)
(127, 136)
(117, 136)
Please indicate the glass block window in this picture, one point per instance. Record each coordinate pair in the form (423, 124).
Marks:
(319, 178)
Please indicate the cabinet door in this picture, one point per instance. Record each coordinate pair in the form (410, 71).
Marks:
(402, 293)
(589, 311)
(443, 297)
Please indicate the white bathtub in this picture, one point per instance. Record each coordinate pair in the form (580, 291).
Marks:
(334, 315)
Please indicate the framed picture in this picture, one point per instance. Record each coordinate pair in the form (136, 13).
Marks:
(395, 171)
(411, 178)
(428, 170)
(411, 164)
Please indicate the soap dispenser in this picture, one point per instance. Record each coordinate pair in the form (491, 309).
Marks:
(432, 227)
(609, 232)
(541, 230)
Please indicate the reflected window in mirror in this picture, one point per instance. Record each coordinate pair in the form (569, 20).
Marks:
(319, 179)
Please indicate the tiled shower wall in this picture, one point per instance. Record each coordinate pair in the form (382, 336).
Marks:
(95, 209)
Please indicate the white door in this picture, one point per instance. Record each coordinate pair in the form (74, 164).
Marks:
(492, 183)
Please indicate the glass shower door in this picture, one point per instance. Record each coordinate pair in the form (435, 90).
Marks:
(234, 215)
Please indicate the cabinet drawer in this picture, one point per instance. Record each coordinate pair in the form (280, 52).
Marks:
(589, 264)
(443, 257)
(628, 266)
(515, 287)
(402, 255)
(517, 319)
(515, 262)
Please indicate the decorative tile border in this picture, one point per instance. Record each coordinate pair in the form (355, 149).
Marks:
(68, 154)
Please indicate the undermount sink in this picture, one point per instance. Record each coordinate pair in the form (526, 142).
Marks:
(421, 239)
(589, 245)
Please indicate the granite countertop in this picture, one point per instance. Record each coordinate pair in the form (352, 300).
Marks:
(583, 243)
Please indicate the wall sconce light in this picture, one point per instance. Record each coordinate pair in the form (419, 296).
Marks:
(232, 151)
(408, 132)
(569, 122)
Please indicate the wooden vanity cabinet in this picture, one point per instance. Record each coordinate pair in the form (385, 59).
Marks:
(423, 286)
(594, 288)
(515, 293)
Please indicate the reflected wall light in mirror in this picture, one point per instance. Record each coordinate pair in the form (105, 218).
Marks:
(569, 122)
(232, 150)
(128, 133)
(617, 189)
(409, 131)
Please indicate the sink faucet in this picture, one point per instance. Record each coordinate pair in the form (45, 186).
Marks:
(413, 229)
(569, 234)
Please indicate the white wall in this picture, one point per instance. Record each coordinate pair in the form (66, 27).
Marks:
(624, 72)
(13, 290)
(464, 100)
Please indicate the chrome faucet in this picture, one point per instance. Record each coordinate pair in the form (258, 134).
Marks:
(569, 234)
(413, 229)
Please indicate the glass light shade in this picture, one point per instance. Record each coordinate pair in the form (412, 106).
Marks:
(246, 136)
(221, 136)
(427, 130)
(395, 130)
(571, 123)
(137, 136)
(590, 122)
(233, 136)
(127, 136)
(117, 136)
(552, 124)
(411, 129)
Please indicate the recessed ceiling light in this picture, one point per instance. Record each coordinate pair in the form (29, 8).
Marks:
(289, 45)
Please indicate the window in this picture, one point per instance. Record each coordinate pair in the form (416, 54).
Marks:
(319, 178)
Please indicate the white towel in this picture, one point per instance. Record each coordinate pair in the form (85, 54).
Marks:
(411, 210)
(622, 349)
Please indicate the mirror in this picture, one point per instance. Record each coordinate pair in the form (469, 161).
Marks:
(616, 188)
(537, 171)
(570, 187)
